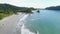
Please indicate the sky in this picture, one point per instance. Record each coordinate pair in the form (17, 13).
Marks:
(32, 3)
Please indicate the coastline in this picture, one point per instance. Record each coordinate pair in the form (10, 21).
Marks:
(8, 24)
(14, 24)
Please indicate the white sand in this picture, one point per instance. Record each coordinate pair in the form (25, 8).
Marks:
(8, 24)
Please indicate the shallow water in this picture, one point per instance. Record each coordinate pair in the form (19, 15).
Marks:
(45, 22)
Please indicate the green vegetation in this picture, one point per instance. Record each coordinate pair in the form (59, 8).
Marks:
(53, 8)
(7, 9)
(1, 16)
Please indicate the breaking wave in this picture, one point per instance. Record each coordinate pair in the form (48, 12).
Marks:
(24, 30)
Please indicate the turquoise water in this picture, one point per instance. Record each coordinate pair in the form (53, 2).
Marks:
(46, 22)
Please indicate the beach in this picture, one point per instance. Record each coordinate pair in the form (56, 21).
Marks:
(9, 24)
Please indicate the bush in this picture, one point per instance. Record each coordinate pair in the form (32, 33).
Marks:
(1, 16)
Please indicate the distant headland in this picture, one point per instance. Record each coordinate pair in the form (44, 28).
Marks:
(53, 8)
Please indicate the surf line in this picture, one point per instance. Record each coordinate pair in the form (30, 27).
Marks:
(21, 20)
(24, 30)
(22, 27)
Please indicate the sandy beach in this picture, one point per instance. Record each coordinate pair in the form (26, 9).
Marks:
(9, 24)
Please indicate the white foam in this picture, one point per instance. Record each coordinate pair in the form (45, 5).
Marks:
(37, 32)
(24, 17)
(25, 30)
(21, 19)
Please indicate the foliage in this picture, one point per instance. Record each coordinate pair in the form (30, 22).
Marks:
(7, 9)
(53, 8)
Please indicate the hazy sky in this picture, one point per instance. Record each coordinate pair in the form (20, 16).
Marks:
(32, 3)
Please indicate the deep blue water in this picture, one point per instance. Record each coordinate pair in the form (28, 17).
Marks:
(46, 22)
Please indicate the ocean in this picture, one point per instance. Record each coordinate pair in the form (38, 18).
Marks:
(43, 22)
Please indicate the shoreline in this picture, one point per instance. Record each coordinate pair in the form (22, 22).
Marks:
(20, 23)
(15, 25)
(23, 28)
(8, 24)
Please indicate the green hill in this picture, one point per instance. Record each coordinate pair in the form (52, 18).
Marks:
(7, 9)
(53, 8)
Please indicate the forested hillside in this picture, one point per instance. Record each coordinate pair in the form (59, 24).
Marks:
(7, 9)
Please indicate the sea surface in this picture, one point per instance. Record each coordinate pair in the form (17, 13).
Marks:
(44, 22)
